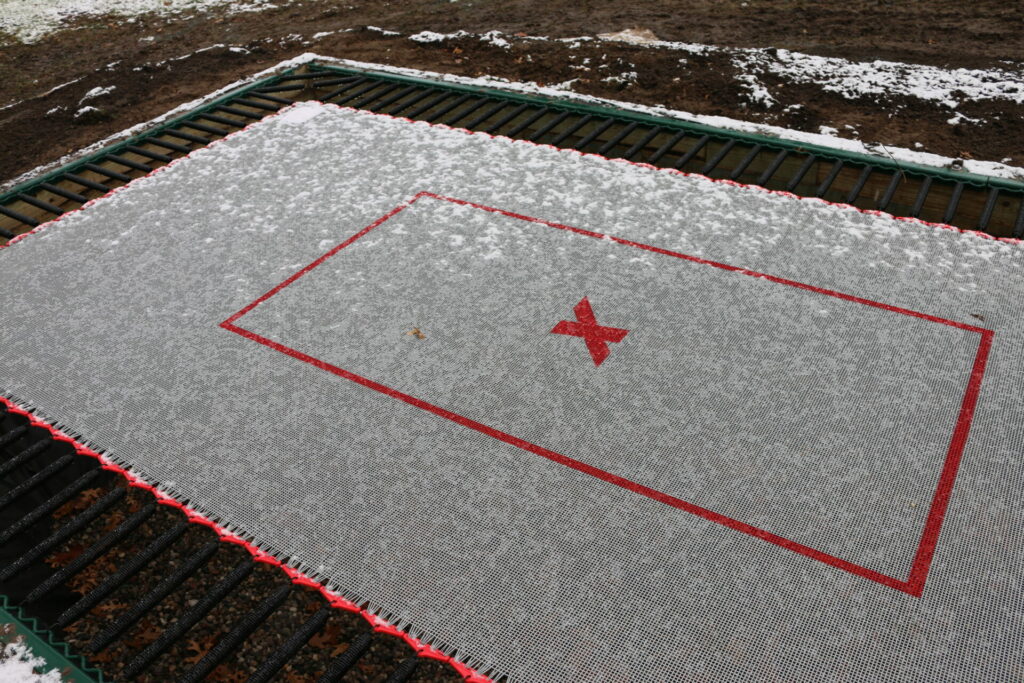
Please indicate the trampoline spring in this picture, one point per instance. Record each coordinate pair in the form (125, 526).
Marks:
(685, 159)
(348, 86)
(110, 173)
(34, 449)
(582, 121)
(394, 98)
(255, 105)
(746, 161)
(11, 213)
(829, 179)
(92, 552)
(271, 98)
(211, 599)
(1018, 228)
(504, 120)
(922, 193)
(862, 180)
(466, 112)
(122, 574)
(187, 136)
(167, 144)
(427, 92)
(155, 595)
(238, 633)
(801, 172)
(358, 93)
(212, 130)
(272, 664)
(66, 194)
(19, 490)
(340, 665)
(223, 119)
(40, 204)
(49, 505)
(129, 163)
(483, 117)
(641, 143)
(954, 201)
(366, 99)
(667, 147)
(305, 76)
(525, 123)
(890, 190)
(281, 88)
(763, 179)
(404, 671)
(717, 159)
(990, 205)
(448, 107)
(617, 138)
(434, 101)
(549, 126)
(594, 134)
(239, 112)
(77, 523)
(13, 434)
(336, 81)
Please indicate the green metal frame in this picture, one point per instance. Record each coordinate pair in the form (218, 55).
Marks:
(770, 142)
(556, 104)
(57, 654)
(139, 138)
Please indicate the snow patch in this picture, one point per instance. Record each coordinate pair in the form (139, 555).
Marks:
(432, 37)
(97, 92)
(30, 20)
(300, 113)
(18, 664)
(382, 31)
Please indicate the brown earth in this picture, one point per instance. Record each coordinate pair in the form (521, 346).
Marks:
(105, 52)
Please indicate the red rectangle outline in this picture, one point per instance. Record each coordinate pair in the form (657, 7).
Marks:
(913, 585)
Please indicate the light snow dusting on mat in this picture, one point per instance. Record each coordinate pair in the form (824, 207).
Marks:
(19, 665)
(744, 486)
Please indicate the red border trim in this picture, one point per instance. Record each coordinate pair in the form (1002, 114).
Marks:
(724, 181)
(914, 585)
(297, 577)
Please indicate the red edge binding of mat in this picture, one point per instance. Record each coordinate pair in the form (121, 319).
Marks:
(299, 578)
(379, 624)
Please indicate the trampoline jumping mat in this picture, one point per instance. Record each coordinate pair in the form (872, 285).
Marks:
(570, 419)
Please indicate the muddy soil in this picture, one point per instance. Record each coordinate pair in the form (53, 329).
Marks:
(153, 64)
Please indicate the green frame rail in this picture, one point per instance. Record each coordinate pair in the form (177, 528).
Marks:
(957, 197)
(14, 626)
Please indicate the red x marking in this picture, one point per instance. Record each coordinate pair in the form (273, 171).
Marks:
(596, 336)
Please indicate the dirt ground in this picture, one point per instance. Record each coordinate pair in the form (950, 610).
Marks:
(132, 57)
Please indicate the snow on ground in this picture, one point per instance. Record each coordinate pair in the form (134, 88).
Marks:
(880, 78)
(18, 665)
(30, 20)
(875, 80)
(991, 168)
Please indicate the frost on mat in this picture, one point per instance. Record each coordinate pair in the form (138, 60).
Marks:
(19, 665)
(810, 417)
